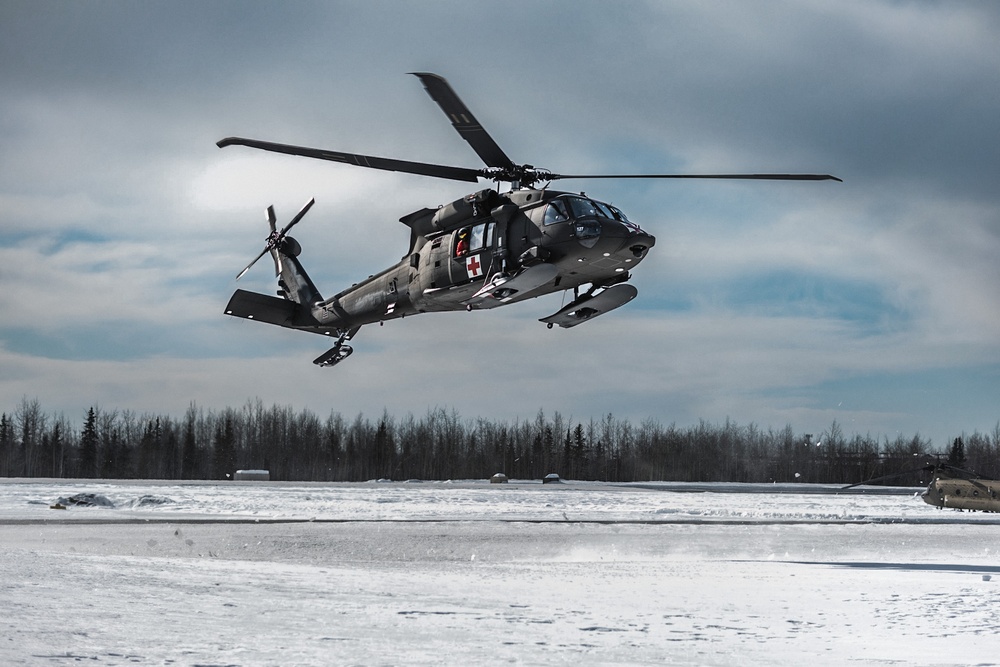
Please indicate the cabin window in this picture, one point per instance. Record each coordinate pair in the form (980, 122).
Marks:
(482, 236)
(556, 212)
(478, 234)
(462, 242)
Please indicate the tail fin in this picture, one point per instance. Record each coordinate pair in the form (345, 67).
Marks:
(292, 279)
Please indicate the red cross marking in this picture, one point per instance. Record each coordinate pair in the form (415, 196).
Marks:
(473, 266)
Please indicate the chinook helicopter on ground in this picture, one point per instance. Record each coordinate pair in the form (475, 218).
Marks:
(953, 487)
(961, 489)
(484, 250)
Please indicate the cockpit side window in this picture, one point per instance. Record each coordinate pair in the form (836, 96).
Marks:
(582, 208)
(556, 212)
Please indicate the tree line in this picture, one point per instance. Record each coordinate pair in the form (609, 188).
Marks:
(300, 445)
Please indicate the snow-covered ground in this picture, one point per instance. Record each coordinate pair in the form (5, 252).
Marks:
(471, 573)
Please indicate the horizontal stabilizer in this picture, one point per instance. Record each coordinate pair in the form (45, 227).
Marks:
(263, 308)
(589, 307)
(282, 312)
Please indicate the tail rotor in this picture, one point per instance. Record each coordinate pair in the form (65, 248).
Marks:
(277, 239)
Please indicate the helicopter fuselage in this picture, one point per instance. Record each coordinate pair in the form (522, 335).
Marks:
(457, 248)
(963, 494)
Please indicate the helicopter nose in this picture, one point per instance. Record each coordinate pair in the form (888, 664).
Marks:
(634, 242)
(623, 245)
(640, 244)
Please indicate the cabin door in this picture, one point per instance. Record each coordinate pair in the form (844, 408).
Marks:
(473, 253)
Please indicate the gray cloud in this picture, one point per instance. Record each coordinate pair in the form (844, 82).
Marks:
(123, 226)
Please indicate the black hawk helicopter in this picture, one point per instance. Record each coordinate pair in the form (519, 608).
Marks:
(484, 250)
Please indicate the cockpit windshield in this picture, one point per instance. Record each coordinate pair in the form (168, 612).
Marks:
(618, 214)
(566, 207)
(604, 210)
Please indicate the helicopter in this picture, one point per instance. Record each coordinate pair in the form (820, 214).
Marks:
(485, 250)
(953, 487)
(961, 489)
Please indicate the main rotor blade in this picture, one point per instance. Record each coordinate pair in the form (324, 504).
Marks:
(463, 121)
(758, 177)
(385, 164)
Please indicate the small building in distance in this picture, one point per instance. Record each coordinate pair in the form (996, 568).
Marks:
(253, 475)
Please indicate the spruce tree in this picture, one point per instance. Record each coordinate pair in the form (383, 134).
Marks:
(6, 444)
(956, 455)
(88, 446)
(189, 450)
(224, 454)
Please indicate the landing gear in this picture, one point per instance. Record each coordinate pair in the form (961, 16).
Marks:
(338, 352)
(334, 356)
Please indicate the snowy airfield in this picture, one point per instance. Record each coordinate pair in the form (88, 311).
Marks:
(252, 573)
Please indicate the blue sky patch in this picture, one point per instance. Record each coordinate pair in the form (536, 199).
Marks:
(799, 294)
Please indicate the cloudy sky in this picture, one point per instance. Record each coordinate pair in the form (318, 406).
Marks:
(874, 302)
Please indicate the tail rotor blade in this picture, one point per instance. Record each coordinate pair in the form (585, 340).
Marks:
(272, 218)
(262, 253)
(298, 216)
